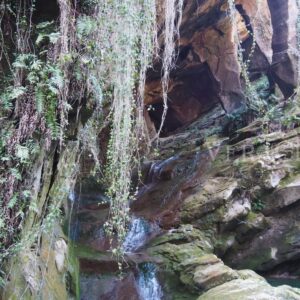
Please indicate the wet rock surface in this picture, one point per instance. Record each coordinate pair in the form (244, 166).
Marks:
(207, 71)
(220, 192)
(203, 214)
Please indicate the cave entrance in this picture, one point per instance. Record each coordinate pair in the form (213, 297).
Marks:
(45, 11)
(193, 91)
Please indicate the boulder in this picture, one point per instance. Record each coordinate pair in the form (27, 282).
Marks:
(214, 193)
(209, 275)
(237, 209)
(287, 194)
(250, 289)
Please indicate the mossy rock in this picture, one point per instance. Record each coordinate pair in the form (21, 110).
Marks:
(172, 255)
(214, 193)
(252, 225)
(205, 272)
(174, 289)
(184, 234)
(250, 289)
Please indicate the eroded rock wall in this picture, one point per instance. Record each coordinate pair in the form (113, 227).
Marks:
(207, 71)
(227, 200)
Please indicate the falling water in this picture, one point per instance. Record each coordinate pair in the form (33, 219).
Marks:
(73, 221)
(139, 232)
(149, 287)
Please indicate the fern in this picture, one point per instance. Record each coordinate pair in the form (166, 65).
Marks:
(45, 33)
(22, 153)
(85, 26)
(39, 98)
(23, 61)
(17, 92)
(50, 116)
(13, 201)
(56, 79)
(10, 94)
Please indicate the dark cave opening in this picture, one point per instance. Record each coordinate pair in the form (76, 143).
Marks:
(193, 92)
(45, 11)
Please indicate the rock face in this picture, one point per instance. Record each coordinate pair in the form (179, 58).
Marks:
(252, 288)
(207, 70)
(284, 40)
(241, 211)
(221, 191)
(225, 190)
(51, 270)
(222, 188)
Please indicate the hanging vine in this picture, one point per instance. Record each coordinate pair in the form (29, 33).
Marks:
(253, 100)
(118, 42)
(101, 56)
(173, 12)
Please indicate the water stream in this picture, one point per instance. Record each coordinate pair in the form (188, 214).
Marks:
(293, 282)
(139, 232)
(147, 282)
(103, 283)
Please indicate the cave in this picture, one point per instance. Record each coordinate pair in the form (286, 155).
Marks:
(194, 93)
(45, 11)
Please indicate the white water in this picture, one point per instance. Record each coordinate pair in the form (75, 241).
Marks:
(149, 287)
(147, 282)
(139, 232)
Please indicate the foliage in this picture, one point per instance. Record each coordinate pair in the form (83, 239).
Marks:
(29, 107)
(97, 60)
(257, 205)
(171, 33)
(117, 64)
(118, 41)
(254, 101)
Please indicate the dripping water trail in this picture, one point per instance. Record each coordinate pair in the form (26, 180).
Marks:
(139, 233)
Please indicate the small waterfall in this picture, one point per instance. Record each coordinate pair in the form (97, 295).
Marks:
(73, 221)
(138, 233)
(149, 287)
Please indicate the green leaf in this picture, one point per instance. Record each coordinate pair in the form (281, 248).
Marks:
(37, 65)
(53, 89)
(17, 92)
(33, 207)
(15, 172)
(26, 194)
(53, 37)
(39, 99)
(44, 25)
(2, 224)
(13, 201)
(40, 38)
(22, 153)
(23, 61)
(85, 26)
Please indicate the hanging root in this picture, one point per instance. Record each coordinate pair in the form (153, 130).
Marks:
(173, 10)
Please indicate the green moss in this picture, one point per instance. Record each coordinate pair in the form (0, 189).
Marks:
(173, 287)
(255, 261)
(172, 255)
(223, 243)
(73, 269)
(83, 251)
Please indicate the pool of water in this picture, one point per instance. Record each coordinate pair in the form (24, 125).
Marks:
(284, 281)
